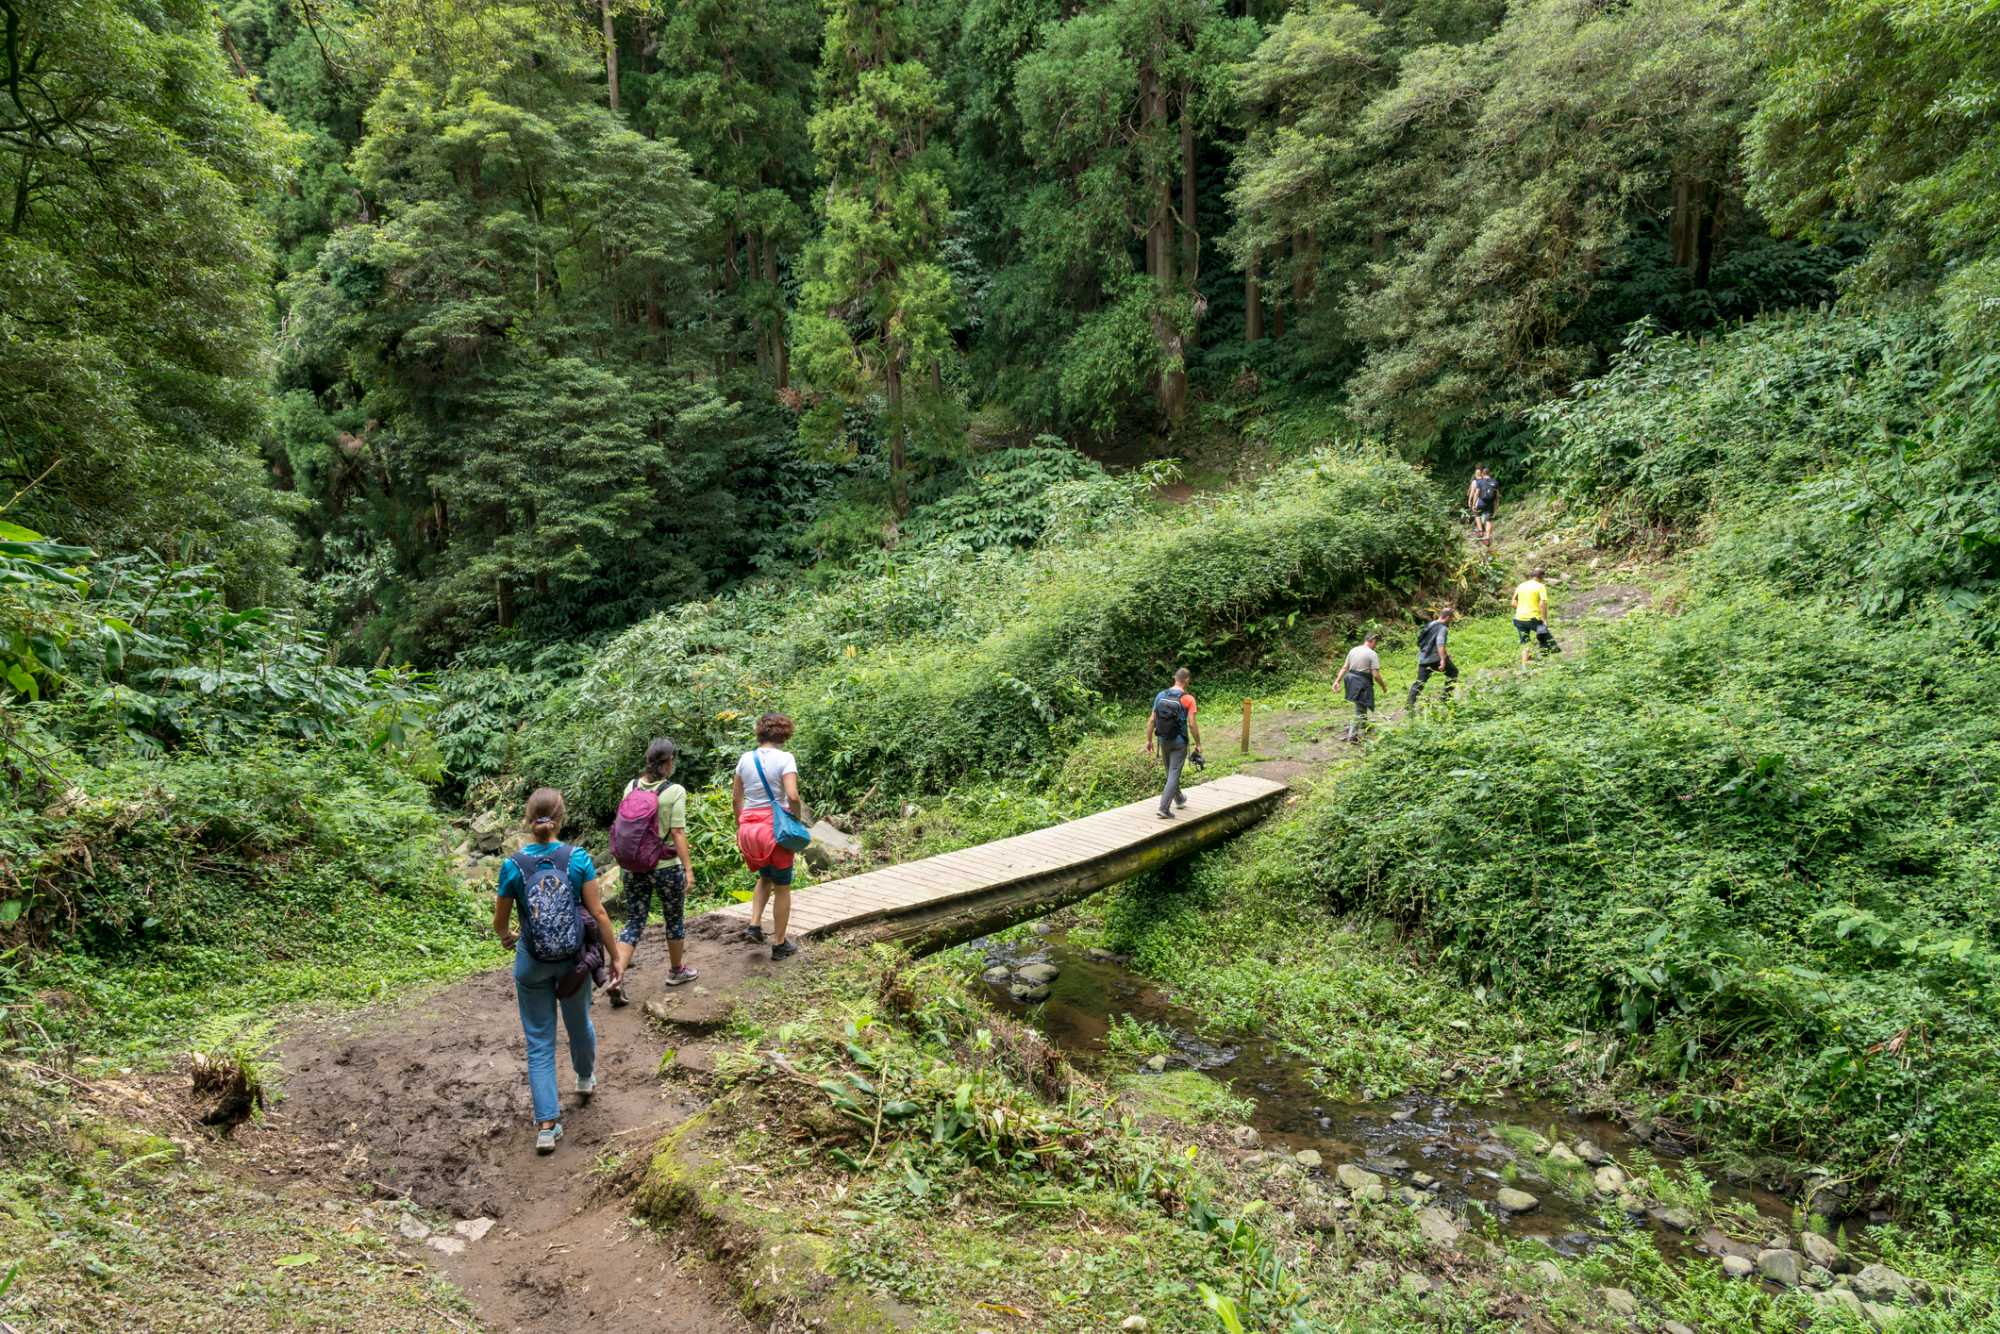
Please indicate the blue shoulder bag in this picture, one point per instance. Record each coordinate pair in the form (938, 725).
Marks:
(792, 835)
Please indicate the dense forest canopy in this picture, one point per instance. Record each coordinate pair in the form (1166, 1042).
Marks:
(464, 306)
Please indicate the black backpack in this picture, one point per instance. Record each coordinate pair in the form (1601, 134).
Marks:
(1170, 716)
(1485, 488)
(1427, 641)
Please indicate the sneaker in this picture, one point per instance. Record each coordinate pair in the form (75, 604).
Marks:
(616, 995)
(1166, 815)
(685, 973)
(784, 951)
(586, 1086)
(1181, 802)
(546, 1137)
(754, 934)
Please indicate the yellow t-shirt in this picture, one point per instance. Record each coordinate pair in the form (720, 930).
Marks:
(1531, 601)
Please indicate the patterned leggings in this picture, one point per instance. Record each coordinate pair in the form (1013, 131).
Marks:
(639, 886)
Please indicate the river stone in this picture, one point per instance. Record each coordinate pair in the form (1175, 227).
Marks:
(1619, 1302)
(1736, 1266)
(1564, 1156)
(1821, 1252)
(1609, 1180)
(1415, 1284)
(1780, 1266)
(488, 832)
(1134, 1324)
(1879, 1283)
(1409, 1195)
(1437, 1226)
(829, 846)
(1677, 1220)
(1424, 1181)
(1039, 973)
(1587, 1150)
(998, 974)
(1402, 1115)
(1634, 1207)
(1031, 992)
(1675, 1327)
(1840, 1299)
(1307, 1158)
(1355, 1178)
(1042, 929)
(1245, 1137)
(1884, 1317)
(1155, 1063)
(1515, 1201)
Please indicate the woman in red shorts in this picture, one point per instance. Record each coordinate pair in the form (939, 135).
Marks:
(765, 774)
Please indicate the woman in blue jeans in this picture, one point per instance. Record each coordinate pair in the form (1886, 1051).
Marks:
(535, 980)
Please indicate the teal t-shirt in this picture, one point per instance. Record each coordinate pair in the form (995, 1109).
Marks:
(581, 870)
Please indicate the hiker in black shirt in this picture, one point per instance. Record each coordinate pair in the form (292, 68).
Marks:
(1434, 656)
(1480, 498)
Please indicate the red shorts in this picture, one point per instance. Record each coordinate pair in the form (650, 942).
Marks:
(757, 840)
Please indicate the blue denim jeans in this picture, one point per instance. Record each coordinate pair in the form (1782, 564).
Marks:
(535, 992)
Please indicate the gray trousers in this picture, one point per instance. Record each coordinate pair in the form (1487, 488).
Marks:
(1175, 757)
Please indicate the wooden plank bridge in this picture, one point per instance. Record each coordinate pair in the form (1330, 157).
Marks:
(961, 895)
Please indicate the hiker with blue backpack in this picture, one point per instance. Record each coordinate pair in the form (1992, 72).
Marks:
(1169, 727)
(770, 830)
(652, 816)
(553, 886)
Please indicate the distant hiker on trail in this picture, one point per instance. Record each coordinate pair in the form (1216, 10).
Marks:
(554, 885)
(1169, 726)
(1433, 655)
(1359, 676)
(763, 776)
(1531, 615)
(652, 816)
(1480, 498)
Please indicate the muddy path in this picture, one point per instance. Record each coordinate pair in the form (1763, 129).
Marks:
(428, 1101)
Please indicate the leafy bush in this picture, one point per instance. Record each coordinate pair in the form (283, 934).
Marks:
(951, 664)
(1758, 840)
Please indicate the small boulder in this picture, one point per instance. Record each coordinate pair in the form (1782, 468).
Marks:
(1030, 992)
(1618, 1302)
(1587, 1150)
(1884, 1316)
(1134, 1324)
(1840, 1299)
(1879, 1283)
(1245, 1137)
(1042, 929)
(1515, 1201)
(1039, 974)
(1415, 1284)
(473, 1229)
(1423, 1181)
(1564, 1156)
(1675, 1327)
(412, 1229)
(1674, 1220)
(1403, 1115)
(1736, 1266)
(830, 848)
(1548, 1271)
(488, 832)
(1155, 1063)
(1356, 1178)
(1307, 1158)
(444, 1245)
(1609, 1180)
(1437, 1226)
(1634, 1207)
(998, 975)
(1782, 1267)
(1822, 1252)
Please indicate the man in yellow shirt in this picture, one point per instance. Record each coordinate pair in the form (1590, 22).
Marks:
(1531, 615)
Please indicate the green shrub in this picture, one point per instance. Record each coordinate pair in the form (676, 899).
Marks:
(1759, 840)
(954, 664)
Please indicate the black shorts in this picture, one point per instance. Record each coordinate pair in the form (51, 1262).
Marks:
(1484, 511)
(1529, 629)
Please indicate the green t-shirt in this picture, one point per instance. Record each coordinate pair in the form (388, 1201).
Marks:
(673, 804)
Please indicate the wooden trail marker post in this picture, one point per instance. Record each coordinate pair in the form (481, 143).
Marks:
(1246, 727)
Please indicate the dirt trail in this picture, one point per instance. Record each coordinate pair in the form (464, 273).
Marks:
(430, 1101)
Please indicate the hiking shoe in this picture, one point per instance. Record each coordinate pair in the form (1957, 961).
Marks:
(1180, 802)
(784, 951)
(1166, 815)
(616, 995)
(586, 1086)
(676, 976)
(546, 1137)
(754, 934)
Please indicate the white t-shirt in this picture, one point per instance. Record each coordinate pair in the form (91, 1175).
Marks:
(777, 763)
(1362, 659)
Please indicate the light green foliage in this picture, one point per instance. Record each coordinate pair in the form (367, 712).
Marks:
(961, 664)
(132, 310)
(1885, 112)
(876, 308)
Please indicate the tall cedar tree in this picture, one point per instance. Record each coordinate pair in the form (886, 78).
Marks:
(875, 313)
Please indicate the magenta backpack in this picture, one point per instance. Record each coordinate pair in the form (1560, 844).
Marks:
(635, 834)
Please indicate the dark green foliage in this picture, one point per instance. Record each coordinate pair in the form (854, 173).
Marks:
(132, 298)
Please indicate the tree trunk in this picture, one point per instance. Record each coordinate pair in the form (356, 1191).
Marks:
(779, 356)
(610, 53)
(1190, 234)
(504, 602)
(1679, 226)
(1253, 300)
(1710, 241)
(899, 463)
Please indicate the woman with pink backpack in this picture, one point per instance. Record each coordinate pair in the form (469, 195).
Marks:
(652, 816)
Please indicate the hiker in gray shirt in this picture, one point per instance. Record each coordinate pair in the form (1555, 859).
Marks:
(1359, 676)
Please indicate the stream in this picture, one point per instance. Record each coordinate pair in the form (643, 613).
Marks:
(1456, 1153)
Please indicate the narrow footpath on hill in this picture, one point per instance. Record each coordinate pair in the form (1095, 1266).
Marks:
(422, 1105)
